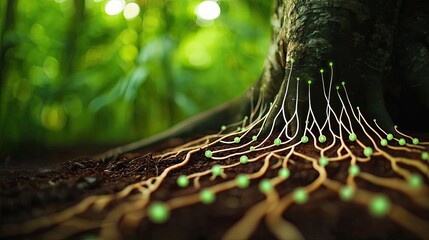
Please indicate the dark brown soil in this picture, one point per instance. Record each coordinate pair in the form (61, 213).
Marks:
(29, 193)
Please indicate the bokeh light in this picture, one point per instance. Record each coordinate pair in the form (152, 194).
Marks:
(208, 10)
(114, 7)
(131, 10)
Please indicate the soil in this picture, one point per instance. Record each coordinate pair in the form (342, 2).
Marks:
(30, 193)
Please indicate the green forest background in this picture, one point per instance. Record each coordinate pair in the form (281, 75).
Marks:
(73, 74)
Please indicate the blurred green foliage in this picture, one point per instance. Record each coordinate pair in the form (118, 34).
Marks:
(71, 74)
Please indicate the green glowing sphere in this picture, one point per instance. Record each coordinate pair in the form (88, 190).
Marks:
(389, 136)
(254, 138)
(207, 196)
(367, 151)
(292, 60)
(383, 142)
(323, 161)
(309, 82)
(354, 170)
(346, 193)
(182, 181)
(236, 139)
(223, 128)
(297, 78)
(415, 181)
(243, 159)
(343, 83)
(425, 155)
(238, 128)
(158, 212)
(304, 139)
(379, 206)
(416, 141)
(242, 181)
(352, 137)
(322, 138)
(402, 142)
(321, 70)
(265, 186)
(337, 87)
(331, 64)
(216, 170)
(252, 148)
(208, 153)
(300, 196)
(284, 173)
(277, 142)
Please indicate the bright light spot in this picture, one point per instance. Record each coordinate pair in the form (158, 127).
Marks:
(208, 10)
(114, 7)
(131, 10)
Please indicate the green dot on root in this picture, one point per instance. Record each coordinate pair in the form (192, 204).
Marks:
(425, 155)
(236, 139)
(323, 161)
(352, 137)
(252, 148)
(346, 193)
(254, 138)
(304, 139)
(321, 70)
(367, 151)
(277, 142)
(379, 206)
(284, 173)
(402, 142)
(207, 196)
(331, 64)
(216, 170)
(242, 181)
(158, 212)
(244, 159)
(309, 82)
(389, 137)
(415, 181)
(223, 128)
(182, 181)
(322, 138)
(208, 153)
(416, 141)
(354, 170)
(265, 186)
(300, 196)
(383, 142)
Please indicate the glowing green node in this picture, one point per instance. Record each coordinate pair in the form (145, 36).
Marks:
(284, 173)
(254, 138)
(182, 181)
(343, 83)
(297, 78)
(246, 117)
(238, 128)
(322, 138)
(292, 60)
(265, 186)
(352, 137)
(309, 82)
(346, 193)
(383, 142)
(425, 155)
(216, 170)
(389, 137)
(337, 87)
(379, 206)
(321, 70)
(323, 161)
(415, 181)
(304, 139)
(223, 128)
(243, 159)
(158, 212)
(208, 153)
(354, 170)
(331, 64)
(237, 139)
(242, 181)
(402, 142)
(367, 151)
(300, 196)
(416, 141)
(252, 148)
(207, 196)
(277, 142)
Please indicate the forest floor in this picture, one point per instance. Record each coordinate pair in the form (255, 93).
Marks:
(28, 193)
